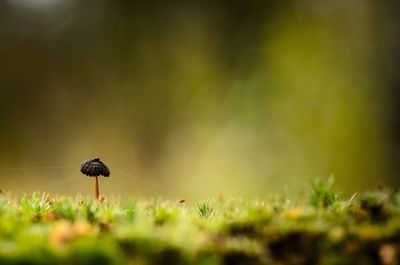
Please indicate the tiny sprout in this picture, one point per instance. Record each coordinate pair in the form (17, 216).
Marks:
(205, 209)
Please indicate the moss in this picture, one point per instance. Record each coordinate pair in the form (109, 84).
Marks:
(377, 206)
(40, 229)
(170, 256)
(296, 247)
(249, 229)
(237, 257)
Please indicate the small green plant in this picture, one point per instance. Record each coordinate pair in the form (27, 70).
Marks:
(205, 209)
(35, 206)
(322, 194)
(129, 210)
(64, 209)
(88, 209)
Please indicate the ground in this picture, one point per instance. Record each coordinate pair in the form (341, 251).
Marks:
(321, 228)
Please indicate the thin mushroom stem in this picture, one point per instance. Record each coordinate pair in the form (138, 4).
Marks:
(96, 188)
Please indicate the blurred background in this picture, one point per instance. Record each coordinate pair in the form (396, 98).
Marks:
(194, 99)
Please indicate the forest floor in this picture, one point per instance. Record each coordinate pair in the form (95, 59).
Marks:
(322, 228)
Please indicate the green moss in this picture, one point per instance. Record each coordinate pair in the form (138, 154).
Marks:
(41, 229)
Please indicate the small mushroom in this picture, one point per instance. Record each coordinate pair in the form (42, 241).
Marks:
(95, 168)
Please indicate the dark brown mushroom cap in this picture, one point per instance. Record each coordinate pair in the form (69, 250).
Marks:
(94, 167)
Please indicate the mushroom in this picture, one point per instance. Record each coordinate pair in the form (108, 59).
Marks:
(95, 168)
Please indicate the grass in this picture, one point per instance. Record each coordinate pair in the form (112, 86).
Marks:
(205, 209)
(320, 229)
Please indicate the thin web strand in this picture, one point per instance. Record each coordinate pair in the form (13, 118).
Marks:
(28, 168)
(139, 179)
(58, 182)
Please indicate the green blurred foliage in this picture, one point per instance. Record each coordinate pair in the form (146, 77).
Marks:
(192, 99)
